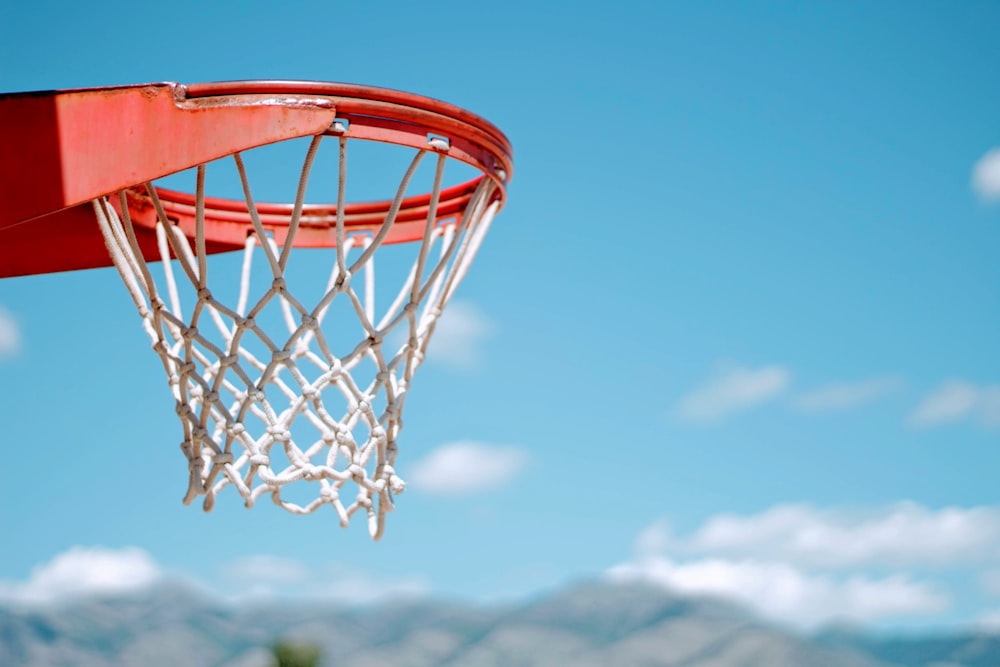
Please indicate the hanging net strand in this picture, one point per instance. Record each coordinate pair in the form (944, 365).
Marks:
(268, 392)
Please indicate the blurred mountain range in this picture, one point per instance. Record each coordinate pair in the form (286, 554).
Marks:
(587, 625)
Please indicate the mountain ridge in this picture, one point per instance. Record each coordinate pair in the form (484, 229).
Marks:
(590, 624)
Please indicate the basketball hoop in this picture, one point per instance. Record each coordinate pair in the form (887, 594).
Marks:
(270, 391)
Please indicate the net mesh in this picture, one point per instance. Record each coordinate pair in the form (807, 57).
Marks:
(271, 394)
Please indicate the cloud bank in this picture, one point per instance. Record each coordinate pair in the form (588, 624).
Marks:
(787, 594)
(264, 576)
(806, 567)
(903, 534)
(85, 572)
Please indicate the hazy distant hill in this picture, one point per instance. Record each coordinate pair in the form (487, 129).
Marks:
(974, 649)
(584, 626)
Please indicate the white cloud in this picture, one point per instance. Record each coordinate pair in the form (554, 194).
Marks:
(839, 395)
(990, 621)
(85, 571)
(990, 582)
(956, 400)
(10, 334)
(459, 336)
(989, 406)
(354, 587)
(986, 175)
(733, 389)
(805, 567)
(266, 577)
(466, 467)
(949, 402)
(787, 594)
(905, 533)
(265, 569)
(655, 540)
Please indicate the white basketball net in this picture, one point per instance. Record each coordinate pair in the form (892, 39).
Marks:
(241, 387)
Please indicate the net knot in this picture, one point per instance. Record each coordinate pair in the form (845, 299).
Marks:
(222, 458)
(260, 460)
(396, 484)
(279, 433)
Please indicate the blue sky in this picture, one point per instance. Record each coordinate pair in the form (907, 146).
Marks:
(734, 332)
